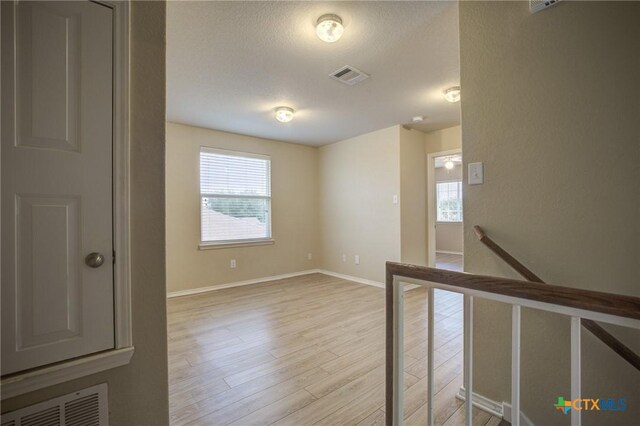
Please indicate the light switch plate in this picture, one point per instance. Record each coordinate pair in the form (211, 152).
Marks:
(476, 174)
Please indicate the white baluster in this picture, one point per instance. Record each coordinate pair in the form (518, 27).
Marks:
(515, 365)
(576, 367)
(468, 358)
(398, 352)
(430, 374)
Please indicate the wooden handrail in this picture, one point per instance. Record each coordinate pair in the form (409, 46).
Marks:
(586, 300)
(603, 335)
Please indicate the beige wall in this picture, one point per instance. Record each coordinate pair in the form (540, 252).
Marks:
(138, 392)
(294, 204)
(551, 106)
(358, 179)
(448, 139)
(328, 201)
(449, 235)
(443, 140)
(413, 197)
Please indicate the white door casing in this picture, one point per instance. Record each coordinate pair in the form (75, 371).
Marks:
(57, 183)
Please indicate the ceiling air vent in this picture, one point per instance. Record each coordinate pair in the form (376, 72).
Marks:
(87, 407)
(538, 5)
(349, 75)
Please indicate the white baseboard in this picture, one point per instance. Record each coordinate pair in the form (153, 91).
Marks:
(280, 277)
(240, 283)
(352, 278)
(483, 403)
(450, 252)
(498, 409)
(364, 280)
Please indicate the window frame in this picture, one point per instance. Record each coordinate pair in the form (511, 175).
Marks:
(459, 182)
(207, 245)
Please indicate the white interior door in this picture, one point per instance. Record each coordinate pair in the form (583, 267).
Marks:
(57, 91)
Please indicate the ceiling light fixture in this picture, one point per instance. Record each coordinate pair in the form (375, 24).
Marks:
(284, 114)
(452, 94)
(329, 28)
(418, 118)
(448, 164)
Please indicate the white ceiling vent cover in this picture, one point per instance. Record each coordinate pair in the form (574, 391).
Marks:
(88, 407)
(538, 5)
(349, 75)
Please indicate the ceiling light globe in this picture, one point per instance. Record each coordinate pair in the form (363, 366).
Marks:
(452, 94)
(329, 28)
(284, 114)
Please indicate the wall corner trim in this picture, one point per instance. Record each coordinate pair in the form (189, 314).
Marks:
(498, 409)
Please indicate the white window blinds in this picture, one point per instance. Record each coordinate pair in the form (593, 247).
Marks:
(235, 190)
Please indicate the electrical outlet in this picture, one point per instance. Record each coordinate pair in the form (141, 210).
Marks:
(356, 259)
(309, 256)
(232, 263)
(394, 199)
(344, 257)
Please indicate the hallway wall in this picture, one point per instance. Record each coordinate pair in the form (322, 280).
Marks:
(549, 102)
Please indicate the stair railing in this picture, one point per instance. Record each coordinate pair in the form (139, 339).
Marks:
(603, 335)
(575, 303)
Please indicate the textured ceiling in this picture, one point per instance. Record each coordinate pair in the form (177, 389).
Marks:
(231, 63)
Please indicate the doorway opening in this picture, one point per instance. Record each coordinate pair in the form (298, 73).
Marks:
(446, 246)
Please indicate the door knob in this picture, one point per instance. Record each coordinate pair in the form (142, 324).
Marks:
(94, 260)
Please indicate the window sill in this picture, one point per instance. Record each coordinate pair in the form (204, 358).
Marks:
(43, 377)
(215, 246)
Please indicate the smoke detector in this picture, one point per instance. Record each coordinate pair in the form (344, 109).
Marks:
(349, 75)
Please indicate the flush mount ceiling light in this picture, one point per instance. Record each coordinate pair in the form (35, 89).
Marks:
(448, 164)
(452, 94)
(329, 28)
(418, 119)
(284, 114)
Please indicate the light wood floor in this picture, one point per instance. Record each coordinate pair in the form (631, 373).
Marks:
(306, 350)
(452, 262)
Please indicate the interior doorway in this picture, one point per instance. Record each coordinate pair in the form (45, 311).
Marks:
(446, 246)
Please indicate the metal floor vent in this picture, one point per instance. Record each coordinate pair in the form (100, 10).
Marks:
(538, 5)
(88, 407)
(349, 75)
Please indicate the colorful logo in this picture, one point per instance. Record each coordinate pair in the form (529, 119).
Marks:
(590, 404)
(562, 405)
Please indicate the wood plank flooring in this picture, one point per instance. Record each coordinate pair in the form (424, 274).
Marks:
(306, 350)
(451, 262)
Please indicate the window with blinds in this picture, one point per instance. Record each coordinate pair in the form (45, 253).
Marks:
(235, 196)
